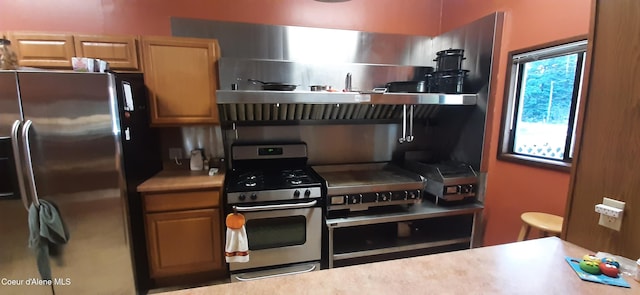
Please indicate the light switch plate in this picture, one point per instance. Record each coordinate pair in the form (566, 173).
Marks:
(608, 221)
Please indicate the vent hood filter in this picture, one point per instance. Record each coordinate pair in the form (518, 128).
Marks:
(304, 112)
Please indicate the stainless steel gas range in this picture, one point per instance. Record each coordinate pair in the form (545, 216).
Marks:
(281, 199)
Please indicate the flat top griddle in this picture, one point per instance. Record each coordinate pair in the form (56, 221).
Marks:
(368, 177)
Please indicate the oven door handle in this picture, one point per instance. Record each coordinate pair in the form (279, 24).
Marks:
(310, 269)
(275, 207)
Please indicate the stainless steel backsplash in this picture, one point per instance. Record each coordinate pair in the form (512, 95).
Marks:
(333, 144)
(315, 56)
(188, 138)
(309, 56)
(304, 74)
(304, 44)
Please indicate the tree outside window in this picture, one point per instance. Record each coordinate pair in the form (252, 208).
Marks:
(540, 111)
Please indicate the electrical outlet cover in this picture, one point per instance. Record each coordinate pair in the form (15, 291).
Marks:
(608, 221)
(175, 153)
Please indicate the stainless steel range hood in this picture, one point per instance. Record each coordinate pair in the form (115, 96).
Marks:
(320, 97)
(249, 105)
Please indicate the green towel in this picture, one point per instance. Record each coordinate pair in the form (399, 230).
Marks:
(46, 229)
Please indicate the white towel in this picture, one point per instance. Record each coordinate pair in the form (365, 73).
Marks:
(237, 245)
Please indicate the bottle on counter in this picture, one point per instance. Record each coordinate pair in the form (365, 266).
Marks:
(205, 164)
(197, 161)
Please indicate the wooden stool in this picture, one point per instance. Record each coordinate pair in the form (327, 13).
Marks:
(546, 223)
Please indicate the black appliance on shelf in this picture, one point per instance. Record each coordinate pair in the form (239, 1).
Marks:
(449, 76)
(421, 83)
(449, 60)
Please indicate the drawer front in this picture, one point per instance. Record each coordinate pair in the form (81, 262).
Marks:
(158, 202)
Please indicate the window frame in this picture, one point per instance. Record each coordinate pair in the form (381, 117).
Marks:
(511, 101)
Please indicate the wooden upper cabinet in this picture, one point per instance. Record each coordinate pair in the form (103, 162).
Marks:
(42, 50)
(181, 75)
(120, 51)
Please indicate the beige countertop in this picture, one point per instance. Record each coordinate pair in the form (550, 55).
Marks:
(172, 180)
(530, 267)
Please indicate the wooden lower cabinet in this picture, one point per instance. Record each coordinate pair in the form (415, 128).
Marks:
(184, 236)
(184, 242)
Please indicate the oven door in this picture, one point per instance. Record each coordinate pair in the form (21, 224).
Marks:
(281, 234)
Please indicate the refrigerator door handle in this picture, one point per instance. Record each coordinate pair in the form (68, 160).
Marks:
(18, 163)
(27, 153)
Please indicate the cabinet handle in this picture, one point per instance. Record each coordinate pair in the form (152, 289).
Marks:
(310, 269)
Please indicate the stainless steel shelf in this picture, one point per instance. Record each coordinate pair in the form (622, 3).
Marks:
(369, 234)
(418, 246)
(421, 211)
(319, 97)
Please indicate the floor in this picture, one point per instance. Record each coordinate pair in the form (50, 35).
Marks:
(174, 288)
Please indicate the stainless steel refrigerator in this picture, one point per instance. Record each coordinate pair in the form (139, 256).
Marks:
(83, 142)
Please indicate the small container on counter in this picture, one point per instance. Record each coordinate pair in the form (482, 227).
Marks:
(318, 87)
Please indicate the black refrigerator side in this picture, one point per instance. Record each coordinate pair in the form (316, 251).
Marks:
(10, 112)
(142, 159)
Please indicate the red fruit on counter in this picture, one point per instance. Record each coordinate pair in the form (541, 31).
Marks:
(609, 270)
(610, 261)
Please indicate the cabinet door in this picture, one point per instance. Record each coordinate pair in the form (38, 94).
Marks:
(120, 51)
(42, 50)
(184, 242)
(181, 75)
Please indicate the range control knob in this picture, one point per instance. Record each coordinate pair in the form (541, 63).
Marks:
(296, 194)
(254, 196)
(307, 193)
(242, 197)
(411, 195)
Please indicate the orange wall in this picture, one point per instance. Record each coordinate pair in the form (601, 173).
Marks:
(511, 188)
(514, 188)
(152, 17)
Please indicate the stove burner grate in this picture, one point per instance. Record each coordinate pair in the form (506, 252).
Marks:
(250, 179)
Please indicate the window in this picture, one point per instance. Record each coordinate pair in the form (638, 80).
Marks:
(541, 100)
